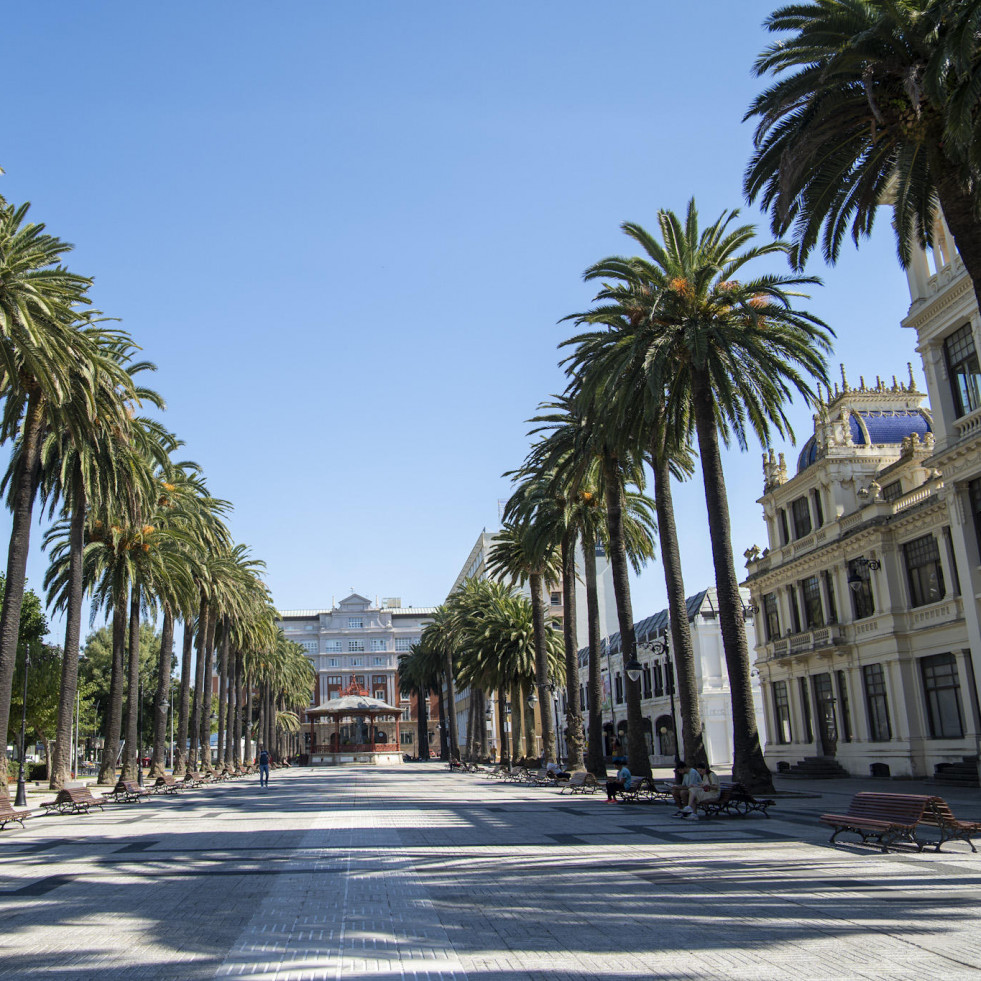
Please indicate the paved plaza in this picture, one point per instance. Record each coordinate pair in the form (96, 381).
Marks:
(415, 872)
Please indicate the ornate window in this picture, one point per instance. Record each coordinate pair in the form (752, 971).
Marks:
(355, 623)
(963, 370)
(781, 712)
(942, 689)
(805, 708)
(923, 571)
(802, 517)
(810, 590)
(771, 616)
(355, 645)
(876, 703)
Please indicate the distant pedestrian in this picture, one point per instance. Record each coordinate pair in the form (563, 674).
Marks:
(263, 768)
(617, 751)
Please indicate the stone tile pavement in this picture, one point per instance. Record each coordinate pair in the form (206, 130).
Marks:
(413, 872)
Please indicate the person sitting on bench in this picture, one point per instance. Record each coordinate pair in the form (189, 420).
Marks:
(709, 790)
(689, 777)
(556, 771)
(622, 782)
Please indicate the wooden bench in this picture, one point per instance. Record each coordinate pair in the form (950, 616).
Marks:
(8, 814)
(735, 799)
(581, 782)
(126, 791)
(167, 785)
(884, 818)
(74, 800)
(194, 778)
(939, 815)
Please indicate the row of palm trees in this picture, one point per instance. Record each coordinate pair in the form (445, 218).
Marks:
(134, 528)
(685, 350)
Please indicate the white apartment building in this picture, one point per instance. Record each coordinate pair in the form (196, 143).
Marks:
(662, 720)
(357, 643)
(863, 650)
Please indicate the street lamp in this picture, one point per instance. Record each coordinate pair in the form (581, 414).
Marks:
(858, 579)
(659, 648)
(21, 798)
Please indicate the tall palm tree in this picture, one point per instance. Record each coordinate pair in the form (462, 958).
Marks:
(419, 675)
(728, 355)
(873, 98)
(46, 367)
(610, 368)
(521, 555)
(438, 638)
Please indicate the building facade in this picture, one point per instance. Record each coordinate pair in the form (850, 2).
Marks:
(661, 714)
(356, 644)
(944, 314)
(862, 648)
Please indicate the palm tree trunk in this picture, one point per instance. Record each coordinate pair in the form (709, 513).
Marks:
(536, 584)
(24, 490)
(960, 212)
(517, 720)
(228, 760)
(570, 637)
(748, 765)
(206, 693)
(595, 757)
(454, 739)
(114, 713)
(158, 762)
(502, 726)
(531, 749)
(195, 733)
(131, 751)
(239, 696)
(483, 747)
(422, 722)
(639, 761)
(184, 701)
(444, 743)
(683, 654)
(248, 719)
(222, 692)
(61, 764)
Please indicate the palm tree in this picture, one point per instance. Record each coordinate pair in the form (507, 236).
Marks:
(727, 355)
(46, 367)
(609, 367)
(521, 555)
(419, 674)
(438, 638)
(874, 99)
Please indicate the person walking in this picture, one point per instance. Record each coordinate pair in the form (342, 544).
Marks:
(263, 768)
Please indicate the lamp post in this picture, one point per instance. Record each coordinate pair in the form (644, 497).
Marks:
(660, 648)
(857, 579)
(21, 799)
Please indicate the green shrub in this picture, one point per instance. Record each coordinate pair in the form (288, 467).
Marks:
(36, 771)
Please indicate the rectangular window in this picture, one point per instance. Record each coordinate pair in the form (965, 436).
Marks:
(892, 491)
(771, 616)
(311, 646)
(380, 694)
(619, 689)
(355, 645)
(335, 679)
(943, 696)
(645, 675)
(860, 586)
(556, 599)
(924, 574)
(407, 738)
(333, 662)
(355, 623)
(818, 508)
(963, 370)
(846, 714)
(781, 712)
(876, 703)
(952, 559)
(810, 590)
(784, 533)
(356, 662)
(805, 710)
(378, 661)
(794, 609)
(582, 699)
(802, 517)
(974, 495)
(403, 643)
(379, 644)
(658, 681)
(829, 590)
(332, 646)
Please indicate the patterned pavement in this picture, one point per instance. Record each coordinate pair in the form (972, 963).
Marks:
(413, 872)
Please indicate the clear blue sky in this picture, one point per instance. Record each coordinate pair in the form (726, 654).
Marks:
(346, 233)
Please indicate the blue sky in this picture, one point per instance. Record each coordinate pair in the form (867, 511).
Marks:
(346, 233)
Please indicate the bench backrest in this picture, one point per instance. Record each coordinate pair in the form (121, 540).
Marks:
(903, 809)
(5, 806)
(938, 813)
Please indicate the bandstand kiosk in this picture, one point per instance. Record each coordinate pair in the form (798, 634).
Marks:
(346, 729)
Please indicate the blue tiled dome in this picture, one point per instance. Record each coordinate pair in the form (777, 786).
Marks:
(888, 426)
(808, 455)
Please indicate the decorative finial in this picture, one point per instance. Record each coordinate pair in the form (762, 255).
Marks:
(912, 382)
(844, 380)
(861, 383)
(894, 385)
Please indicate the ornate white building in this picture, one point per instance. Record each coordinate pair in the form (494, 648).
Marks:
(863, 649)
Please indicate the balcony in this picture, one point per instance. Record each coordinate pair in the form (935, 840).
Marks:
(808, 642)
